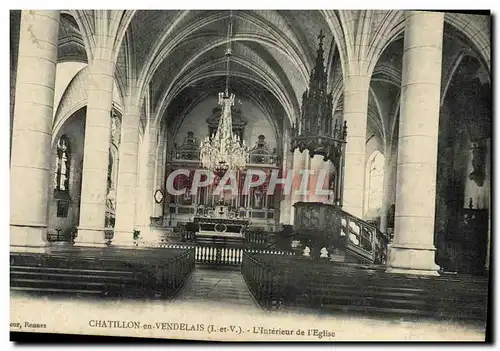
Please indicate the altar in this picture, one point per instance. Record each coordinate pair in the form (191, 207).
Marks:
(221, 224)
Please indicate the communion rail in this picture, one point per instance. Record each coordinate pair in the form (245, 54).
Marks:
(219, 254)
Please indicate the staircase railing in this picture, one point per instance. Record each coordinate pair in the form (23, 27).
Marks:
(363, 239)
(257, 238)
(323, 226)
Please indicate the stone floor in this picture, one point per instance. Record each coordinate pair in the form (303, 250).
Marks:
(217, 285)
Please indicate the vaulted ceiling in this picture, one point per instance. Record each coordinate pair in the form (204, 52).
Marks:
(178, 56)
(272, 52)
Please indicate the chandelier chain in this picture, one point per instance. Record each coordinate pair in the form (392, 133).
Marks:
(224, 150)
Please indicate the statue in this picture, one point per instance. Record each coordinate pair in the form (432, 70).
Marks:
(306, 252)
(323, 253)
(110, 199)
(257, 195)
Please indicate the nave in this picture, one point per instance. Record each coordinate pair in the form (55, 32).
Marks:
(275, 282)
(358, 171)
(220, 296)
(217, 285)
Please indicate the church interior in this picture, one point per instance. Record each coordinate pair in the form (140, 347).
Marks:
(114, 112)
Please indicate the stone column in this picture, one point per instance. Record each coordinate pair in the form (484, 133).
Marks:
(286, 199)
(488, 247)
(413, 250)
(96, 150)
(30, 177)
(127, 176)
(389, 185)
(14, 54)
(160, 173)
(286, 166)
(147, 188)
(355, 114)
(299, 164)
(147, 185)
(319, 174)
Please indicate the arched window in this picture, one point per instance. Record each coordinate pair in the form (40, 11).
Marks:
(61, 179)
(374, 187)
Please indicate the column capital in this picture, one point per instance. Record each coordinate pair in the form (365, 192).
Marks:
(435, 14)
(357, 82)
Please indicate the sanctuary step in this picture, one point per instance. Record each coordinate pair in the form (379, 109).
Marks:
(300, 282)
(102, 272)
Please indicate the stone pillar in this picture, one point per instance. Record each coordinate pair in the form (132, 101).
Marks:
(287, 165)
(286, 199)
(147, 187)
(15, 18)
(413, 250)
(96, 150)
(319, 174)
(127, 176)
(390, 170)
(355, 114)
(488, 247)
(30, 178)
(299, 164)
(160, 173)
(147, 158)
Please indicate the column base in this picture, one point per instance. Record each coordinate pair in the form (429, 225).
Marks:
(27, 238)
(90, 237)
(412, 260)
(412, 271)
(123, 239)
(150, 237)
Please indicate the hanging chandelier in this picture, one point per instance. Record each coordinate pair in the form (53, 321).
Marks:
(224, 151)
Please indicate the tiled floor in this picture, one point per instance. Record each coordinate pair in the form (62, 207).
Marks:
(216, 285)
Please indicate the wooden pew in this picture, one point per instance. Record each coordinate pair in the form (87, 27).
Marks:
(298, 281)
(104, 272)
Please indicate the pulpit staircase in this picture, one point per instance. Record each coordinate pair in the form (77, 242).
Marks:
(342, 236)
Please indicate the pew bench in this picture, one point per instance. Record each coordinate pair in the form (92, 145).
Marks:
(297, 281)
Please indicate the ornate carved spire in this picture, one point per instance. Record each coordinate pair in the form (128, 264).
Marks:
(318, 79)
(316, 114)
(315, 130)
